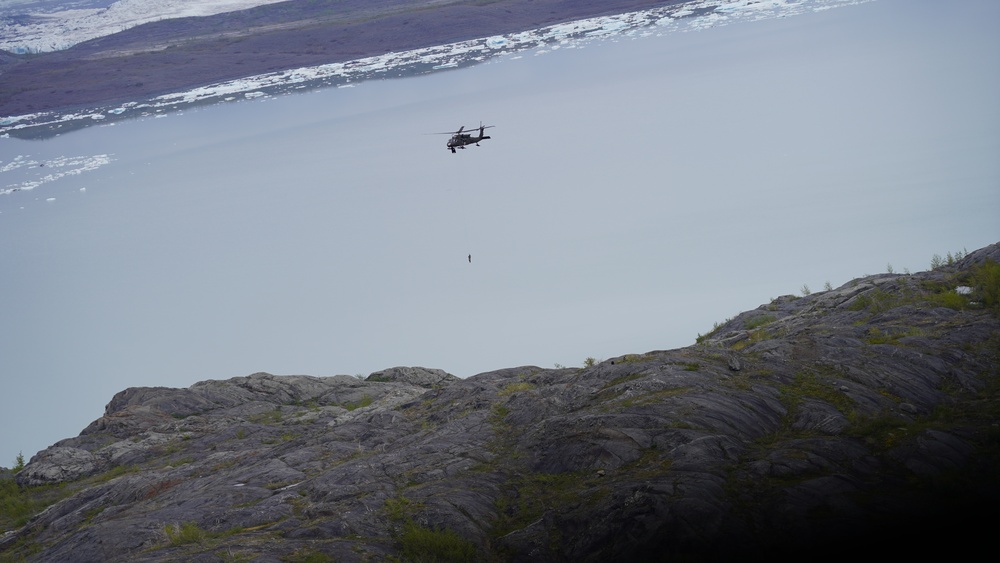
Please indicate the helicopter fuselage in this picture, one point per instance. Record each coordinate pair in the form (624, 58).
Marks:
(460, 140)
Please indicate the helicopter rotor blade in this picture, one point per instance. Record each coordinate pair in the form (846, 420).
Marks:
(462, 130)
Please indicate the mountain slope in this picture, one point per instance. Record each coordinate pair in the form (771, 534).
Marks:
(861, 414)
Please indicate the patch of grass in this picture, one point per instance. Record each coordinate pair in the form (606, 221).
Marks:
(273, 416)
(651, 464)
(503, 443)
(807, 385)
(759, 321)
(311, 404)
(18, 505)
(756, 336)
(876, 301)
(116, 471)
(530, 495)
(420, 544)
(169, 448)
(92, 513)
(881, 431)
(185, 533)
(879, 336)
(636, 358)
(498, 413)
(512, 388)
(654, 397)
(364, 401)
(949, 299)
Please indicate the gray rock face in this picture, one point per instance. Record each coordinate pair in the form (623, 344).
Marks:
(812, 424)
(58, 464)
(421, 377)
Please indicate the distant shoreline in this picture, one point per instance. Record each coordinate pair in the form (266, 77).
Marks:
(173, 55)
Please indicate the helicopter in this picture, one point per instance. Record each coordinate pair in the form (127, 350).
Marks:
(459, 139)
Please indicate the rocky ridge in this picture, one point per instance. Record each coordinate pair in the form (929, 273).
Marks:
(859, 418)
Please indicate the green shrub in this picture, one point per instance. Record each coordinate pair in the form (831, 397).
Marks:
(878, 336)
(185, 533)
(876, 301)
(986, 284)
(19, 504)
(716, 327)
(938, 262)
(950, 299)
(398, 509)
(364, 401)
(15, 506)
(808, 385)
(759, 321)
(267, 417)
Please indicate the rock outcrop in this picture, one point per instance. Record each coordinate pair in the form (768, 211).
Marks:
(854, 420)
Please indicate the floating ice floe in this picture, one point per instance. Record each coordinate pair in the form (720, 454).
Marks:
(497, 42)
(27, 173)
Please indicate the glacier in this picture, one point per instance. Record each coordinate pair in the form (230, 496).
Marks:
(678, 18)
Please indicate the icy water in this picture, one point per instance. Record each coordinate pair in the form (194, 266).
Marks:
(634, 193)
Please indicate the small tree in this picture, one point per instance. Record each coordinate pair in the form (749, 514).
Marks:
(19, 462)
